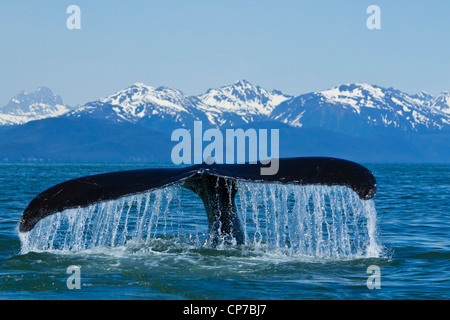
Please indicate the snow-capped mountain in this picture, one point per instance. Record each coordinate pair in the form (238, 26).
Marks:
(442, 103)
(354, 109)
(28, 106)
(141, 102)
(357, 108)
(244, 100)
(235, 104)
(424, 96)
(357, 121)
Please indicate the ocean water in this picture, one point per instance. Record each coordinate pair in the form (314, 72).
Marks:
(310, 242)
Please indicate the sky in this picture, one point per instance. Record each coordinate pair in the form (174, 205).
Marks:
(292, 46)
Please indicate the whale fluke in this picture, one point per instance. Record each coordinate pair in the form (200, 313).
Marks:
(215, 184)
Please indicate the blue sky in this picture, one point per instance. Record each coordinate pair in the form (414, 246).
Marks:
(293, 46)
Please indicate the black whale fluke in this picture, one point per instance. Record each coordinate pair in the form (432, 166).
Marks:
(215, 184)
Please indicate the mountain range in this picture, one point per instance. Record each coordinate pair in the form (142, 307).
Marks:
(358, 121)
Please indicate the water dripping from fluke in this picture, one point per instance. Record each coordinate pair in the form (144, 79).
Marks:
(318, 207)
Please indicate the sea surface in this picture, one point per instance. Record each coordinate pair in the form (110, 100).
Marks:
(307, 242)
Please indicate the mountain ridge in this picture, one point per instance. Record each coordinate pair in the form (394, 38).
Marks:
(358, 121)
(242, 103)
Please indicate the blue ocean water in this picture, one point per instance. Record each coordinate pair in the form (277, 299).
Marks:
(302, 242)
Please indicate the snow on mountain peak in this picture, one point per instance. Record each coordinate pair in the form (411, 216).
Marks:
(361, 95)
(355, 95)
(139, 101)
(422, 95)
(136, 101)
(344, 107)
(28, 106)
(139, 94)
(442, 102)
(240, 102)
(379, 107)
(243, 98)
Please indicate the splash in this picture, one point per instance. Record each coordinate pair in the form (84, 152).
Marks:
(315, 221)
(319, 221)
(107, 224)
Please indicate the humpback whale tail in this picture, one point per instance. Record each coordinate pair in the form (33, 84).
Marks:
(215, 184)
